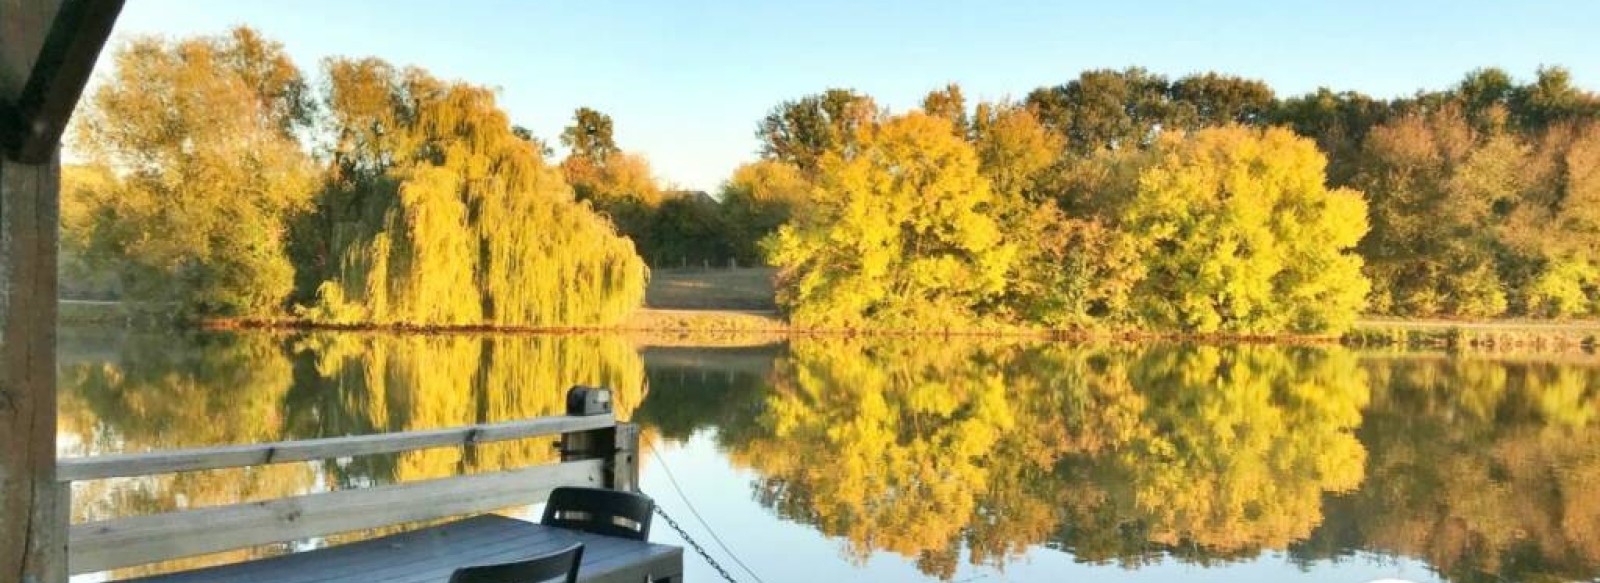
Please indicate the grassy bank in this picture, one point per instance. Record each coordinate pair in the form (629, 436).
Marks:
(659, 327)
(738, 290)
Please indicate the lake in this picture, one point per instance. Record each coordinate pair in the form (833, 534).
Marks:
(922, 459)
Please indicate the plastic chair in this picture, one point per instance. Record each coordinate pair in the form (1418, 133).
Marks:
(599, 511)
(562, 563)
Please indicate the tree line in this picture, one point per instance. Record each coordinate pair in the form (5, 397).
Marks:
(1202, 204)
(218, 177)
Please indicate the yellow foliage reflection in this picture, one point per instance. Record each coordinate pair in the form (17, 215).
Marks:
(1488, 470)
(1240, 444)
(146, 393)
(923, 448)
(942, 451)
(381, 383)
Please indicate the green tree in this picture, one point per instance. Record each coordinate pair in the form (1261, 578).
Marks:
(1556, 222)
(1210, 99)
(896, 234)
(1239, 233)
(589, 136)
(1105, 109)
(1552, 99)
(1339, 122)
(803, 131)
(760, 197)
(1070, 271)
(192, 143)
(689, 227)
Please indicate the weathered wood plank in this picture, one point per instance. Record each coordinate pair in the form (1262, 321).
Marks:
(162, 462)
(430, 554)
(125, 542)
(32, 540)
(59, 74)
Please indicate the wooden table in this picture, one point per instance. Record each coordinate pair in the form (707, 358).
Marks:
(430, 555)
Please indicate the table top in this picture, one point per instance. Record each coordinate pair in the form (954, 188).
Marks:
(430, 555)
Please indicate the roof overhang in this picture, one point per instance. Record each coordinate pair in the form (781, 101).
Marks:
(34, 115)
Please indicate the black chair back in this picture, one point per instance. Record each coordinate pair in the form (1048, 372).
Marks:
(562, 563)
(599, 511)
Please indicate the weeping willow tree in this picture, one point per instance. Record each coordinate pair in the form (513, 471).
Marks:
(438, 213)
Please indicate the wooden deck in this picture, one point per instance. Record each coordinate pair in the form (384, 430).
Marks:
(429, 555)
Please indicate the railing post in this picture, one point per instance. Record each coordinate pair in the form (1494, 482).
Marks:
(618, 444)
(623, 471)
(62, 511)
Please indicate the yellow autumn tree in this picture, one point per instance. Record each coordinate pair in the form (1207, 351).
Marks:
(1240, 233)
(191, 166)
(896, 234)
(438, 212)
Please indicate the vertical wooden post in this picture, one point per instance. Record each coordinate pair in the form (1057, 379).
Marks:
(624, 465)
(618, 445)
(33, 539)
(47, 52)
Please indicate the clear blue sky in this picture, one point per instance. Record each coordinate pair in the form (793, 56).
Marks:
(687, 80)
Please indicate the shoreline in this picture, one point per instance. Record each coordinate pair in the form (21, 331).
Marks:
(719, 326)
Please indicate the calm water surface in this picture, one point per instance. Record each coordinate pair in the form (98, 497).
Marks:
(925, 460)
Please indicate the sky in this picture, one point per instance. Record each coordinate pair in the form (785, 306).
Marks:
(686, 81)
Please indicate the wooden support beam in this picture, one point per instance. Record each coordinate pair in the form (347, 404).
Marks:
(100, 546)
(35, 102)
(232, 456)
(32, 536)
(57, 78)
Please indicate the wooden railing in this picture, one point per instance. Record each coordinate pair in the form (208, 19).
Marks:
(596, 450)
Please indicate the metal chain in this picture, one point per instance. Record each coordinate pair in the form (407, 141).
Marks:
(697, 548)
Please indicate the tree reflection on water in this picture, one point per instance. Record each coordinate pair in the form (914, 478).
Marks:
(946, 452)
(1485, 468)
